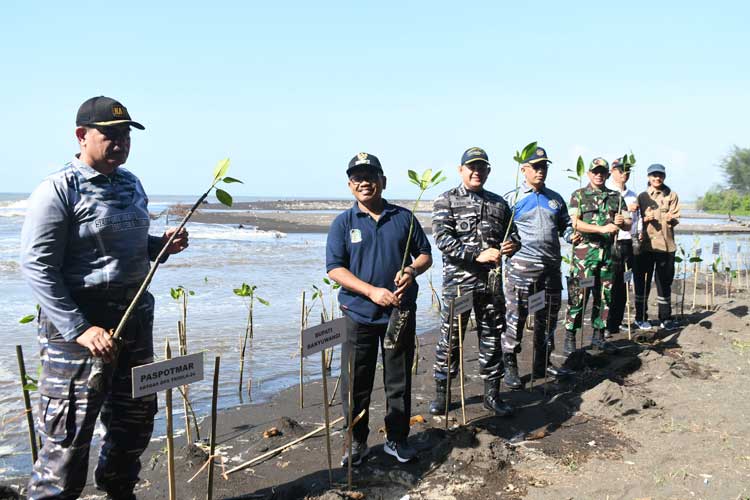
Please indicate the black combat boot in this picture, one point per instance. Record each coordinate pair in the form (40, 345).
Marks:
(569, 346)
(492, 399)
(543, 366)
(512, 380)
(599, 344)
(437, 406)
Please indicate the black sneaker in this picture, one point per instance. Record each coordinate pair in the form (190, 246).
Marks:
(669, 325)
(359, 452)
(401, 450)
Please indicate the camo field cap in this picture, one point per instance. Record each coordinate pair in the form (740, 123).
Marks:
(474, 154)
(622, 165)
(598, 163)
(104, 112)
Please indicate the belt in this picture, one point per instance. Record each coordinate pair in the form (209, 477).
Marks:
(118, 294)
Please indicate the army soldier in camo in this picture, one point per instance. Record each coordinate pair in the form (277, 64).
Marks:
(469, 224)
(598, 213)
(541, 217)
(85, 249)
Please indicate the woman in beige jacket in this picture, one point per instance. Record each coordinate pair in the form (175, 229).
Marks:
(660, 208)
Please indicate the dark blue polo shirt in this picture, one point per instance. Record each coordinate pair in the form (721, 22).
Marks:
(372, 251)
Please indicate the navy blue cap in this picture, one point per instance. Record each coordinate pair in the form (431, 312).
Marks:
(656, 168)
(364, 161)
(539, 155)
(474, 154)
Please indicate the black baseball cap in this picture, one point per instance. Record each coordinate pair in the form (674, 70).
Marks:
(104, 112)
(364, 161)
(622, 165)
(539, 155)
(474, 154)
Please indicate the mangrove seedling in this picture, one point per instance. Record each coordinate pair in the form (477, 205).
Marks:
(180, 294)
(96, 378)
(399, 315)
(247, 292)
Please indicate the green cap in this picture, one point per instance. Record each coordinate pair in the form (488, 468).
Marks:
(599, 163)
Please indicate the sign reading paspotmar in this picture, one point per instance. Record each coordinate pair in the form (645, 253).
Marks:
(163, 375)
(319, 337)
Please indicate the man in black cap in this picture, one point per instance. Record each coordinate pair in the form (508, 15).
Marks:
(364, 252)
(85, 250)
(469, 225)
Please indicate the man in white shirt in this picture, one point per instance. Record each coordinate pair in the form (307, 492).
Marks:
(622, 251)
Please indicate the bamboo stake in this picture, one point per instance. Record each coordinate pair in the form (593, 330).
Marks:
(695, 284)
(461, 361)
(627, 302)
(301, 358)
(170, 440)
(450, 348)
(182, 337)
(288, 445)
(713, 288)
(336, 386)
(212, 441)
(327, 417)
(349, 431)
(27, 403)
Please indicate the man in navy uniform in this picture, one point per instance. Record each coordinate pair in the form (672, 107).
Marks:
(85, 250)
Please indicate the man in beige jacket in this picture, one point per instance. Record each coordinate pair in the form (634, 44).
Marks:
(660, 210)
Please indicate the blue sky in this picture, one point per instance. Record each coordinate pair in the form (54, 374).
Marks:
(290, 91)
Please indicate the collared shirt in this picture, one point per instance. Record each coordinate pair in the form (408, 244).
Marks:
(658, 235)
(630, 197)
(599, 207)
(464, 223)
(541, 218)
(84, 230)
(373, 251)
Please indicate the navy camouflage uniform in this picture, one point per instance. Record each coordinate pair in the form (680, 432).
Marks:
(464, 223)
(541, 218)
(85, 249)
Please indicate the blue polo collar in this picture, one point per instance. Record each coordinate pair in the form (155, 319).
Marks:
(89, 173)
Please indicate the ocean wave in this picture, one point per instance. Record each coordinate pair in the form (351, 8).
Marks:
(236, 233)
(14, 208)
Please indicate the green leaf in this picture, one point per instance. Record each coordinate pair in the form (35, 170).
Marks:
(174, 293)
(415, 182)
(427, 175)
(695, 259)
(528, 151)
(191, 292)
(230, 180)
(435, 177)
(677, 259)
(224, 197)
(263, 301)
(574, 178)
(580, 167)
(632, 159)
(31, 387)
(326, 281)
(27, 319)
(439, 181)
(413, 175)
(221, 169)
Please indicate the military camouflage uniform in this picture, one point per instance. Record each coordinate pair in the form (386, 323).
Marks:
(465, 223)
(542, 218)
(85, 249)
(593, 256)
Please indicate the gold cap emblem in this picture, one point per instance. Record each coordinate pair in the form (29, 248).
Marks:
(361, 156)
(118, 111)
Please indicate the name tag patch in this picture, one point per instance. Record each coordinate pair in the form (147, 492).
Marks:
(355, 235)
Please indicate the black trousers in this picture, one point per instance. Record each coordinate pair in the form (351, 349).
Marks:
(622, 261)
(363, 342)
(648, 264)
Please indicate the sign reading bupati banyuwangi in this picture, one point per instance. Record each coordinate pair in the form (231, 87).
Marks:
(167, 374)
(323, 336)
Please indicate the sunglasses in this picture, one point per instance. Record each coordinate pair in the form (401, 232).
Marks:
(360, 178)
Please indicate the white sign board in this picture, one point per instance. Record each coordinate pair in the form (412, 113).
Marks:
(715, 248)
(537, 301)
(586, 282)
(463, 303)
(628, 276)
(163, 375)
(324, 336)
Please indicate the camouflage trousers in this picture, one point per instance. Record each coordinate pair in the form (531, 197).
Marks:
(587, 263)
(489, 313)
(68, 409)
(526, 278)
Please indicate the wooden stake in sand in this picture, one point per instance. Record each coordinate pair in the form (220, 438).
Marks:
(628, 278)
(461, 361)
(695, 284)
(450, 348)
(301, 357)
(27, 403)
(170, 440)
(349, 423)
(327, 416)
(212, 441)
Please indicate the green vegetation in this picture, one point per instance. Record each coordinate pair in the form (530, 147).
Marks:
(734, 198)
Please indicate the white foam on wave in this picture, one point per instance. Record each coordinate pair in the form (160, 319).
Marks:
(226, 232)
(14, 208)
